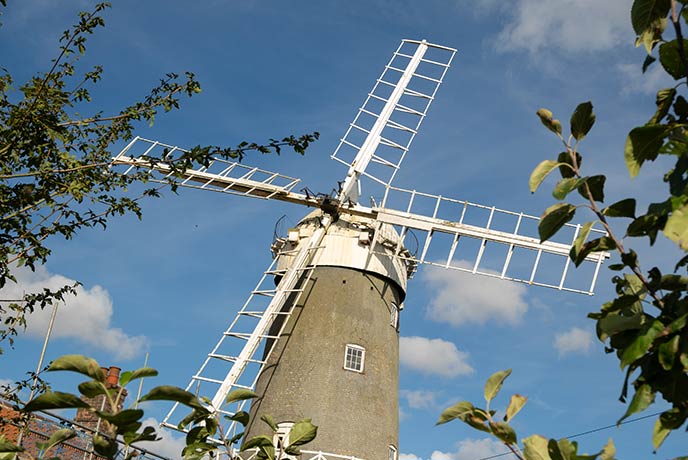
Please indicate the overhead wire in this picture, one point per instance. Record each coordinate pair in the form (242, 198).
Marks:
(577, 435)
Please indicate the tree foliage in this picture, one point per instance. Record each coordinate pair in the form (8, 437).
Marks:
(121, 430)
(55, 174)
(645, 325)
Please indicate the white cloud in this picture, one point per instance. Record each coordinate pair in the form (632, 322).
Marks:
(439, 455)
(418, 399)
(168, 445)
(85, 317)
(633, 80)
(576, 340)
(408, 457)
(433, 356)
(461, 298)
(472, 449)
(565, 25)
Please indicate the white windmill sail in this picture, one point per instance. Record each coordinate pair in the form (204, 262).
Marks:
(237, 359)
(378, 139)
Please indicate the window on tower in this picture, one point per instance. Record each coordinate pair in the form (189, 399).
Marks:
(354, 357)
(394, 319)
(281, 439)
(392, 453)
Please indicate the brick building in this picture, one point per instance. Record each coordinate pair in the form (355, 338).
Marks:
(42, 425)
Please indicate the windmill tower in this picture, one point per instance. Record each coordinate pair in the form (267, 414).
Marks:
(318, 336)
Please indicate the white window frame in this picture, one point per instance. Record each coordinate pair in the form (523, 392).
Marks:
(392, 453)
(394, 316)
(281, 437)
(351, 346)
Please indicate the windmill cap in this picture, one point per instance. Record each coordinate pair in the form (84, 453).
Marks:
(348, 244)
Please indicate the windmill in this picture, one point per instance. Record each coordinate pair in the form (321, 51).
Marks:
(318, 336)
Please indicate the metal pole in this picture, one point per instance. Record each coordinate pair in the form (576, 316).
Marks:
(40, 364)
(138, 396)
(138, 393)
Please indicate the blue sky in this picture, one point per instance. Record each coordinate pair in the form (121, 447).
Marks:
(172, 282)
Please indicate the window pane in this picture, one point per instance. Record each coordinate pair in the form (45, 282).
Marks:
(353, 359)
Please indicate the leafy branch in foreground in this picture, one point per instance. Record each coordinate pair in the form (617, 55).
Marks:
(55, 174)
(535, 447)
(121, 429)
(646, 323)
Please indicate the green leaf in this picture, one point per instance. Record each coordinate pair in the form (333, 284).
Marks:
(55, 400)
(92, 388)
(270, 421)
(196, 435)
(648, 62)
(623, 208)
(9, 450)
(608, 451)
(676, 227)
(240, 395)
(141, 373)
(535, 448)
(123, 418)
(241, 417)
(515, 405)
(643, 397)
(58, 437)
(651, 36)
(148, 434)
(578, 243)
(664, 100)
(476, 419)
(459, 410)
(292, 450)
(596, 186)
(562, 449)
(105, 447)
(494, 384)
(7, 446)
(659, 434)
(172, 393)
(667, 353)
(540, 172)
(547, 120)
(266, 452)
(566, 168)
(79, 364)
(615, 324)
(302, 432)
(646, 225)
(554, 218)
(564, 187)
(257, 441)
(234, 439)
(196, 416)
(504, 432)
(604, 243)
(670, 58)
(681, 107)
(641, 344)
(677, 325)
(645, 12)
(582, 120)
(669, 420)
(643, 143)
